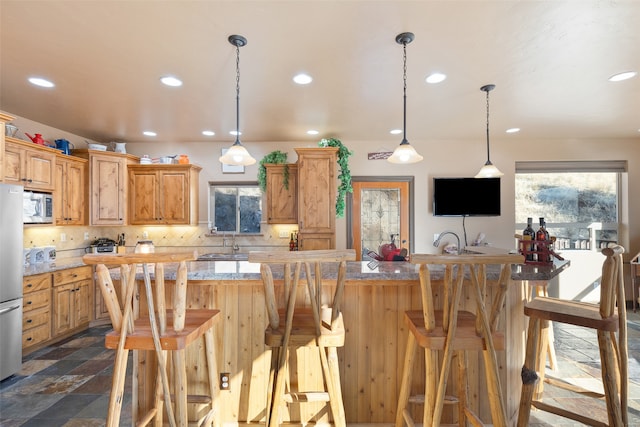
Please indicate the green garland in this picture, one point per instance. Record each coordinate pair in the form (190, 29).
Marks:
(276, 157)
(345, 173)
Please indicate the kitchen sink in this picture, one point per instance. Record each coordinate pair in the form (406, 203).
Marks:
(222, 257)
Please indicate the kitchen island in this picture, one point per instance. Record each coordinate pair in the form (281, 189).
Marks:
(375, 299)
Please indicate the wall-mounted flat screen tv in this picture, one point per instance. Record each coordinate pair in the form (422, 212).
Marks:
(466, 196)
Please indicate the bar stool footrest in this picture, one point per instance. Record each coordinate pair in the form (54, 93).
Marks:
(560, 383)
(308, 396)
(567, 414)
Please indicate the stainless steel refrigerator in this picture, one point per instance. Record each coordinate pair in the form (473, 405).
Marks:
(11, 268)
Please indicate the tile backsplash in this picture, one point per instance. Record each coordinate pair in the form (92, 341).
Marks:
(70, 241)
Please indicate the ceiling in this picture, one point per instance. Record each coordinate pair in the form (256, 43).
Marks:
(549, 60)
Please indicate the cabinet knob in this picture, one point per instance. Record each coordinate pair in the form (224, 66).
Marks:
(29, 285)
(30, 321)
(29, 302)
(29, 339)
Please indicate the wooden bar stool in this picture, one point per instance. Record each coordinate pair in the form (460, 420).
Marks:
(453, 331)
(607, 318)
(155, 327)
(304, 317)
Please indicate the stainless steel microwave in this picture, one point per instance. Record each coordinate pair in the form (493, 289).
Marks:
(37, 208)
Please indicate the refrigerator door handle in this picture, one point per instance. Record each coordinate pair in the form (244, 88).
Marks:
(9, 309)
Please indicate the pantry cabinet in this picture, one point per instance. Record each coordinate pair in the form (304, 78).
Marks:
(36, 312)
(317, 187)
(163, 194)
(29, 164)
(107, 177)
(72, 299)
(282, 200)
(70, 193)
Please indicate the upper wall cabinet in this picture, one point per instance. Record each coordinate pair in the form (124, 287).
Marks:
(282, 200)
(70, 194)
(29, 164)
(163, 194)
(107, 179)
(4, 119)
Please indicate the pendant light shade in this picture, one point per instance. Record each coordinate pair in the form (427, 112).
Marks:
(488, 170)
(404, 153)
(237, 155)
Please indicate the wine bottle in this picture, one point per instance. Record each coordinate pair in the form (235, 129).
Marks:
(529, 234)
(543, 248)
(292, 243)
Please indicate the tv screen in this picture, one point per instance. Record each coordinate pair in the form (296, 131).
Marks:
(466, 196)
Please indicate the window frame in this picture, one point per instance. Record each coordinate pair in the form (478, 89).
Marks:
(212, 185)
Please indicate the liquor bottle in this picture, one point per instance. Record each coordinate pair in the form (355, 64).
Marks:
(292, 243)
(295, 241)
(529, 234)
(543, 235)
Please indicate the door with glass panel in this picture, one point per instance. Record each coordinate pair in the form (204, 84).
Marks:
(376, 211)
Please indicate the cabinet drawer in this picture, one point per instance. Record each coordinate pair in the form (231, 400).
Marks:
(33, 318)
(36, 335)
(36, 300)
(35, 283)
(71, 275)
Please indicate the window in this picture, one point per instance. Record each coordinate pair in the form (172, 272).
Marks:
(235, 208)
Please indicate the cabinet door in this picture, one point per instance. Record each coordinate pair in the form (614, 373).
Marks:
(174, 197)
(143, 197)
(316, 190)
(13, 165)
(82, 303)
(75, 194)
(108, 190)
(40, 169)
(315, 241)
(62, 305)
(282, 205)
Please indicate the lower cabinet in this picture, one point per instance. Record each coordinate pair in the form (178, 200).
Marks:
(72, 299)
(36, 312)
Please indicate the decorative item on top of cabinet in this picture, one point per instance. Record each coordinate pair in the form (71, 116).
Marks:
(282, 206)
(107, 177)
(70, 193)
(163, 194)
(316, 197)
(36, 314)
(29, 164)
(4, 120)
(345, 172)
(72, 299)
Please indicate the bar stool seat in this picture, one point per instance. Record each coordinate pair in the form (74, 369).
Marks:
(154, 327)
(466, 323)
(609, 319)
(303, 317)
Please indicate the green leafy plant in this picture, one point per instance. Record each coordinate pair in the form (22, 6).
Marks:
(276, 157)
(345, 173)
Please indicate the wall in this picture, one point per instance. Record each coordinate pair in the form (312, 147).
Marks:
(442, 158)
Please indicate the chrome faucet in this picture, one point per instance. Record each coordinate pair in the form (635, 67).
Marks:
(437, 241)
(234, 246)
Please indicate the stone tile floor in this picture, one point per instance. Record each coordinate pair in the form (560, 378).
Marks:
(68, 383)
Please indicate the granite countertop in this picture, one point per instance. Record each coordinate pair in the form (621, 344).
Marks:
(356, 270)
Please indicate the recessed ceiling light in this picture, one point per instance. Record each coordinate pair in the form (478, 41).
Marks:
(302, 79)
(208, 133)
(513, 130)
(171, 81)
(39, 81)
(622, 76)
(149, 133)
(436, 78)
(395, 131)
(312, 132)
(235, 133)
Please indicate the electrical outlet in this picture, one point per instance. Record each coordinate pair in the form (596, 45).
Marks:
(224, 381)
(435, 237)
(284, 234)
(63, 237)
(145, 235)
(86, 235)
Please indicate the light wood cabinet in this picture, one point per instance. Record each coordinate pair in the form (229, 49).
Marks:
(107, 177)
(30, 165)
(36, 313)
(70, 191)
(72, 299)
(282, 201)
(4, 119)
(317, 188)
(163, 194)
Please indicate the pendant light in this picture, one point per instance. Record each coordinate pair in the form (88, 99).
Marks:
(404, 153)
(488, 170)
(237, 155)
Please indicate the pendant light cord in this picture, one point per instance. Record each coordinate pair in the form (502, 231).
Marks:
(404, 91)
(237, 93)
(488, 157)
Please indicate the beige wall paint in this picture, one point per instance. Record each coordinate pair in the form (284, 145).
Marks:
(442, 158)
